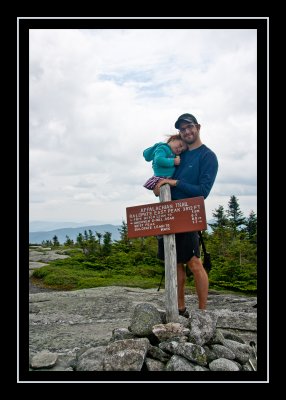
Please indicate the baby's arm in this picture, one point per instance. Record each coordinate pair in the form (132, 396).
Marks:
(177, 160)
(161, 159)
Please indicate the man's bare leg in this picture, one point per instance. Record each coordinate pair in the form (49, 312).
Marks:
(201, 280)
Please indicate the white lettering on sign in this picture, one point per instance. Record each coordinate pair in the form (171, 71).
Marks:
(166, 217)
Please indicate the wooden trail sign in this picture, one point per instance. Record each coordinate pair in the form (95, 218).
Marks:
(166, 217)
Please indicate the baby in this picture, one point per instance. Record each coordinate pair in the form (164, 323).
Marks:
(165, 157)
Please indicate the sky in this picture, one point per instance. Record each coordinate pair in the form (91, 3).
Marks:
(98, 98)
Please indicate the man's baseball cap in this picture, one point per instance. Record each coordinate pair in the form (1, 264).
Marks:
(185, 117)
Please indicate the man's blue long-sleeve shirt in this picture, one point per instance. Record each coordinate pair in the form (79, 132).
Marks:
(196, 173)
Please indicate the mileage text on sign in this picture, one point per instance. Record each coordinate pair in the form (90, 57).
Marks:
(167, 217)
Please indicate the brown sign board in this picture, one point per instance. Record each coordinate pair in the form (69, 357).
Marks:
(166, 217)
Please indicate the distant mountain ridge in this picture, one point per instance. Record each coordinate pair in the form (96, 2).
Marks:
(39, 237)
(42, 226)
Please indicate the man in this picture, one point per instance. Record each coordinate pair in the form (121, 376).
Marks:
(194, 177)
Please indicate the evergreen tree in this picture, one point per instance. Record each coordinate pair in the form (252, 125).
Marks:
(220, 237)
(235, 215)
(91, 236)
(47, 243)
(56, 243)
(123, 230)
(124, 244)
(251, 227)
(220, 217)
(69, 242)
(99, 236)
(79, 239)
(107, 245)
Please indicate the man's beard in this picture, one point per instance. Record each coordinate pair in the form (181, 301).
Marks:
(190, 140)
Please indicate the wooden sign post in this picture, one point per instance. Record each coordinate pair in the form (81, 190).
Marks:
(171, 285)
(166, 218)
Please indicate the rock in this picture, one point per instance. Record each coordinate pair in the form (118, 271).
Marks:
(44, 359)
(62, 321)
(83, 324)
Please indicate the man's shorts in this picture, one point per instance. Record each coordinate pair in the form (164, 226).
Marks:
(187, 246)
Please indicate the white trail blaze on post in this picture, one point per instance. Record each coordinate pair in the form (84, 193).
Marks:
(171, 291)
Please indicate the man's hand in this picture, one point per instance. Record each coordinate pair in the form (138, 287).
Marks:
(171, 182)
(156, 190)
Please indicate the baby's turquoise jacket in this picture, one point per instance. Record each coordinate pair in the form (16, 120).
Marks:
(163, 159)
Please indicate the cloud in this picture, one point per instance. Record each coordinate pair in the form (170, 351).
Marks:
(98, 98)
